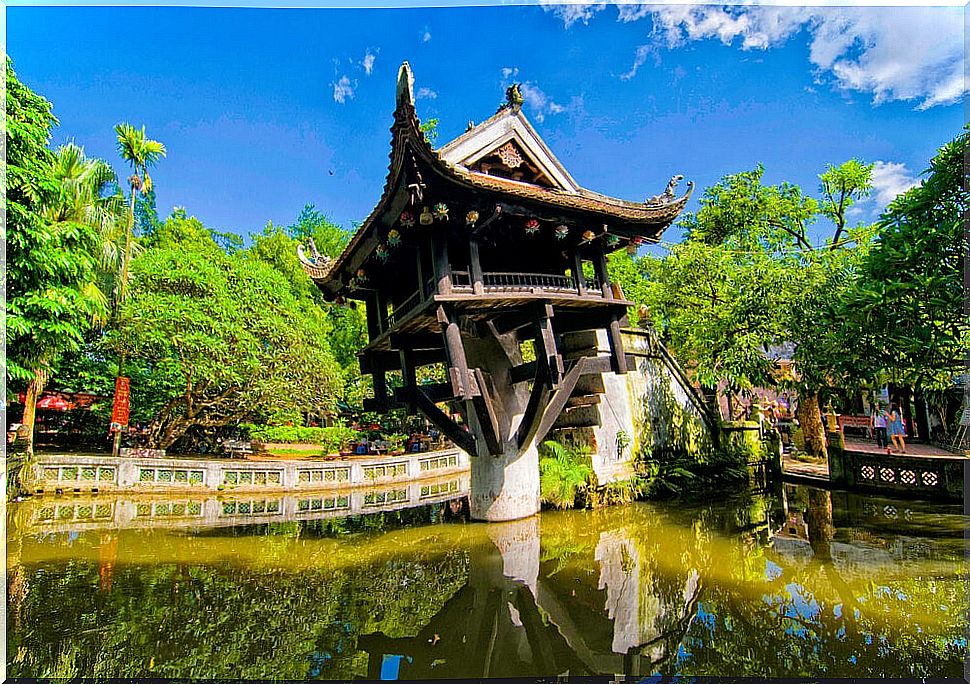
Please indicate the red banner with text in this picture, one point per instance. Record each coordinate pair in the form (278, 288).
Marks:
(119, 412)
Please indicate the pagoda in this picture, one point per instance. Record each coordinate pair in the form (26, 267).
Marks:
(479, 259)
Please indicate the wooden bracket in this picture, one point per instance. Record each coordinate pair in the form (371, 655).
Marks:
(464, 440)
(488, 410)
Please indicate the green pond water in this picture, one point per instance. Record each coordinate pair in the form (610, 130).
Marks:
(797, 582)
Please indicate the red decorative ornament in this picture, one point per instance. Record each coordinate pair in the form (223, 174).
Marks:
(531, 227)
(407, 219)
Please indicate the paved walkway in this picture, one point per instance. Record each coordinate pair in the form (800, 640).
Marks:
(913, 449)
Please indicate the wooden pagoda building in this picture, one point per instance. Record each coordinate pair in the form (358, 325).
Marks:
(473, 251)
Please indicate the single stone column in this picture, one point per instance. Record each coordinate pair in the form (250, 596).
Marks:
(503, 486)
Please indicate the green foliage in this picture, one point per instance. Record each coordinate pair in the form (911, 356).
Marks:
(430, 130)
(564, 474)
(329, 238)
(331, 439)
(51, 297)
(276, 247)
(243, 344)
(841, 187)
(907, 305)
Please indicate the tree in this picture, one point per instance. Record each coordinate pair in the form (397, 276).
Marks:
(51, 296)
(276, 247)
(750, 254)
(716, 308)
(908, 303)
(141, 153)
(244, 346)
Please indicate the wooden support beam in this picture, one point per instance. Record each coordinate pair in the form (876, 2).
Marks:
(475, 266)
(408, 375)
(477, 230)
(578, 276)
(440, 391)
(442, 264)
(415, 341)
(370, 404)
(523, 372)
(559, 398)
(545, 339)
(513, 320)
(464, 440)
(488, 412)
(538, 399)
(455, 352)
(373, 316)
(380, 384)
(391, 360)
(602, 274)
(617, 354)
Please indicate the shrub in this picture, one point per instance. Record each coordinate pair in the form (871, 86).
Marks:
(563, 474)
(330, 439)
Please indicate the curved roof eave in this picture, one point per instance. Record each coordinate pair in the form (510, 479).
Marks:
(406, 134)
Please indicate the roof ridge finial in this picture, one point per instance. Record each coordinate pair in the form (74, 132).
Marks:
(405, 84)
(513, 98)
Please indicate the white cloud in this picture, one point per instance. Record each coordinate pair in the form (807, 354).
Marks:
(643, 52)
(572, 12)
(890, 179)
(509, 71)
(538, 102)
(343, 89)
(904, 53)
(425, 34)
(368, 62)
(426, 94)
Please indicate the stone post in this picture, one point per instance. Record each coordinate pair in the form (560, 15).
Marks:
(503, 486)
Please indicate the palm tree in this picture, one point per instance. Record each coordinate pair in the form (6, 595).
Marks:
(141, 153)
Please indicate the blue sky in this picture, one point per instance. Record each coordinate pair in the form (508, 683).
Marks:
(263, 110)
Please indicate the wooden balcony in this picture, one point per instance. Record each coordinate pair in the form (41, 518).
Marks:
(526, 283)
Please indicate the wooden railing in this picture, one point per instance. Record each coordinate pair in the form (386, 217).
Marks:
(524, 282)
(401, 310)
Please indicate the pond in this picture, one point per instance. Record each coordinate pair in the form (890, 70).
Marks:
(795, 582)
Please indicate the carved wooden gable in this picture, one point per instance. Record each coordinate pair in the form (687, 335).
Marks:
(507, 146)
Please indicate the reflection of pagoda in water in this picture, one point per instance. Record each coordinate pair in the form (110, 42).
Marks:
(512, 621)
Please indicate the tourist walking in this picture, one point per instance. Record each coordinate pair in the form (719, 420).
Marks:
(896, 431)
(879, 426)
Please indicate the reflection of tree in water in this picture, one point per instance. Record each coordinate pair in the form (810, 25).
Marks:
(222, 620)
(806, 618)
(635, 589)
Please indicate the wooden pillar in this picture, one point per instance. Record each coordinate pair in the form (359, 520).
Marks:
(616, 345)
(419, 265)
(578, 276)
(475, 267)
(380, 381)
(442, 264)
(381, 311)
(599, 264)
(455, 351)
(409, 375)
(547, 352)
(374, 319)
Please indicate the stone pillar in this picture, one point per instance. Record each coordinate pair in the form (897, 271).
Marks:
(503, 486)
